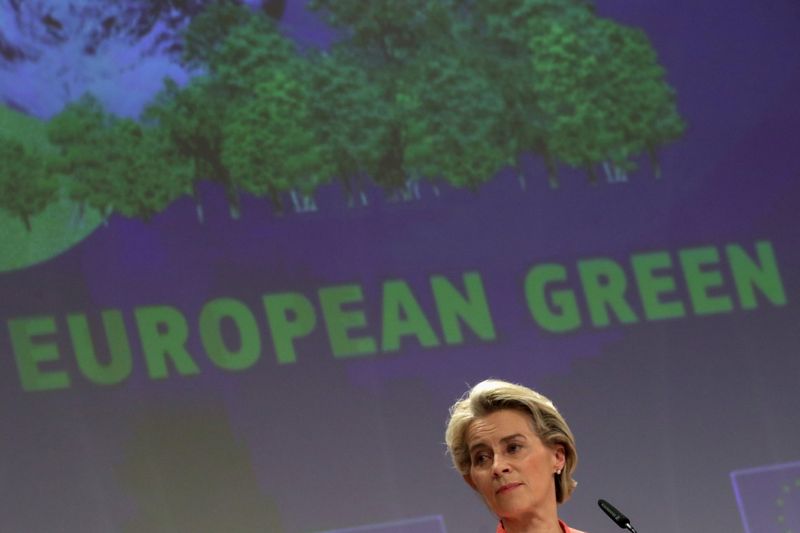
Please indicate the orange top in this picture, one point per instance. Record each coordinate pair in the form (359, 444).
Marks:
(564, 527)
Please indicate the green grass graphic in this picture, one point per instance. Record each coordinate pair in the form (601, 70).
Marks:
(55, 229)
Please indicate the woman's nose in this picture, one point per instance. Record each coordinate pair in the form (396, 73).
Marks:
(499, 465)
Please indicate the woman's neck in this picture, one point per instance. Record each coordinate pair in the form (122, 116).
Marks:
(533, 524)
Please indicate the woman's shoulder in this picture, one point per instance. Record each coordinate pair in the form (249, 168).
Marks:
(568, 529)
(564, 527)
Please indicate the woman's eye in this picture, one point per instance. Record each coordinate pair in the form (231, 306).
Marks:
(512, 448)
(481, 458)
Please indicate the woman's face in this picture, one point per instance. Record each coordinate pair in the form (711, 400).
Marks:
(511, 467)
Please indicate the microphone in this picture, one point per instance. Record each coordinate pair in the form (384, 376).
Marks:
(620, 519)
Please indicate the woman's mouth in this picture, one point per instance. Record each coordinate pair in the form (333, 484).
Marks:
(507, 487)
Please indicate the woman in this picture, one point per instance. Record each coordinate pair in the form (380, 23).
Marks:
(514, 448)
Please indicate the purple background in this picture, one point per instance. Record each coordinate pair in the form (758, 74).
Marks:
(662, 411)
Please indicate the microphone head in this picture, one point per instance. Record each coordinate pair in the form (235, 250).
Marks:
(620, 519)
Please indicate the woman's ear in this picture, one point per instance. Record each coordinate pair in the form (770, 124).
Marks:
(560, 456)
(469, 481)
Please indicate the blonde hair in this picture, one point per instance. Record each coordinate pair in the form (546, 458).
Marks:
(494, 395)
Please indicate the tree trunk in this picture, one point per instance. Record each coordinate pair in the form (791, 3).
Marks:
(106, 213)
(654, 162)
(359, 179)
(198, 205)
(348, 188)
(521, 178)
(234, 202)
(614, 173)
(79, 209)
(27, 221)
(552, 171)
(609, 173)
(275, 199)
(410, 189)
(591, 174)
(390, 172)
(302, 203)
(222, 175)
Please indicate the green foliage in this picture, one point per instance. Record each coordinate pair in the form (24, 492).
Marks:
(248, 50)
(146, 174)
(270, 144)
(204, 36)
(349, 114)
(386, 30)
(237, 48)
(116, 165)
(453, 89)
(191, 118)
(55, 228)
(452, 117)
(601, 92)
(648, 117)
(505, 29)
(509, 21)
(80, 132)
(26, 185)
(386, 38)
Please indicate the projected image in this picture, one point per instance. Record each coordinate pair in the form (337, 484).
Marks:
(251, 251)
(52, 53)
(143, 101)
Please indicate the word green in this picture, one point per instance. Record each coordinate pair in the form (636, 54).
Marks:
(608, 292)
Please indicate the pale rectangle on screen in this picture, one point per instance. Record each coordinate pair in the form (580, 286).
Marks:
(768, 498)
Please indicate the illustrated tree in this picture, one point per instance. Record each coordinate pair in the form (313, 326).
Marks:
(247, 51)
(647, 115)
(114, 164)
(233, 46)
(191, 119)
(193, 115)
(569, 84)
(350, 117)
(81, 134)
(26, 184)
(450, 90)
(601, 93)
(146, 174)
(385, 32)
(503, 30)
(383, 37)
(209, 29)
(453, 119)
(270, 143)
